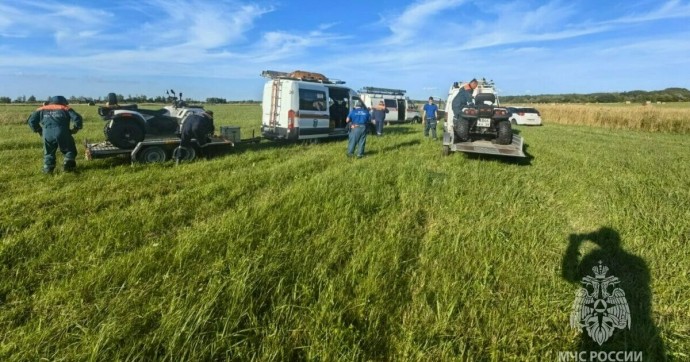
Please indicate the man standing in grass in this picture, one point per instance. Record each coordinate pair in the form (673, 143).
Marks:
(430, 117)
(52, 122)
(357, 122)
(379, 116)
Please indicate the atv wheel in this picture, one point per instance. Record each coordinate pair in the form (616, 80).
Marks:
(505, 133)
(152, 154)
(124, 134)
(462, 130)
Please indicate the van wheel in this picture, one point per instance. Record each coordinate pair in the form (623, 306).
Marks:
(513, 122)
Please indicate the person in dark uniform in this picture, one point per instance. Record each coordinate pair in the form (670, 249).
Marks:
(357, 121)
(197, 127)
(52, 122)
(379, 116)
(464, 97)
(462, 100)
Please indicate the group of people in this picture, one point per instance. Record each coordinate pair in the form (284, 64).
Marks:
(359, 118)
(52, 122)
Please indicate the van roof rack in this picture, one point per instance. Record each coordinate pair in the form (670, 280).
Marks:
(394, 92)
(300, 75)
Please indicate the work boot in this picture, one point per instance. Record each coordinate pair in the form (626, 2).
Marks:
(47, 170)
(69, 166)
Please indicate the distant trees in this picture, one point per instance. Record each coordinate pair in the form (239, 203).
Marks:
(214, 100)
(635, 96)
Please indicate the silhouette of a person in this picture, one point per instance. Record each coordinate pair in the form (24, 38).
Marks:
(634, 277)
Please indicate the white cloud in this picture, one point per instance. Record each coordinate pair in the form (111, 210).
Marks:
(414, 19)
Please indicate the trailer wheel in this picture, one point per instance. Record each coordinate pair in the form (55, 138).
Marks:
(462, 130)
(505, 133)
(124, 134)
(152, 154)
(445, 151)
(184, 154)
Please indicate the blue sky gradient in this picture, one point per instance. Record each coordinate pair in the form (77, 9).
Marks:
(214, 48)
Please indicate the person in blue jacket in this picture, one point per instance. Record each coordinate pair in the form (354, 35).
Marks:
(52, 122)
(357, 122)
(430, 117)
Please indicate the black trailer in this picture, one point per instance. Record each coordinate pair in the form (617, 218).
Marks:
(161, 149)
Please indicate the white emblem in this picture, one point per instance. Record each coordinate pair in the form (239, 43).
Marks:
(599, 311)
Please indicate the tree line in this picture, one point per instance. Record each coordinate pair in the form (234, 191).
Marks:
(636, 96)
(122, 99)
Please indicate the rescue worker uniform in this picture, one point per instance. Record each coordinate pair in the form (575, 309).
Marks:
(52, 121)
(358, 119)
(196, 127)
(461, 100)
(379, 116)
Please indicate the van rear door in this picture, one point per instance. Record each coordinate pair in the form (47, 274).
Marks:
(401, 110)
(313, 117)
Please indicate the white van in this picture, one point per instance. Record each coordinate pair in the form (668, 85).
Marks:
(304, 105)
(400, 107)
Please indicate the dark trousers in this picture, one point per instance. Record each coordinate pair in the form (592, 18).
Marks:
(430, 125)
(55, 138)
(358, 137)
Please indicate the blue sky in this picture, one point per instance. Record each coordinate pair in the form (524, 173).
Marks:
(215, 48)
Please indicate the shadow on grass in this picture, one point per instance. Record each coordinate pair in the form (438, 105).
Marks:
(600, 305)
(520, 161)
(398, 129)
(394, 147)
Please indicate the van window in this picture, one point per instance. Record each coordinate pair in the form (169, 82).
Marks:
(312, 100)
(391, 103)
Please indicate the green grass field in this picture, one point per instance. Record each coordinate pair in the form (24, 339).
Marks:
(290, 252)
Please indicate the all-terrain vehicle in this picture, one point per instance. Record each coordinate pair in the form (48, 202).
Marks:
(127, 124)
(484, 120)
(483, 127)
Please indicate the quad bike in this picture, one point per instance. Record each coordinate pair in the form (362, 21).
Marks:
(484, 120)
(127, 124)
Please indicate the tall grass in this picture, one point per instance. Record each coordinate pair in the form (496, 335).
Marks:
(653, 117)
(293, 252)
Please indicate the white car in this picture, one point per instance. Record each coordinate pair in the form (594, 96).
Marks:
(524, 116)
